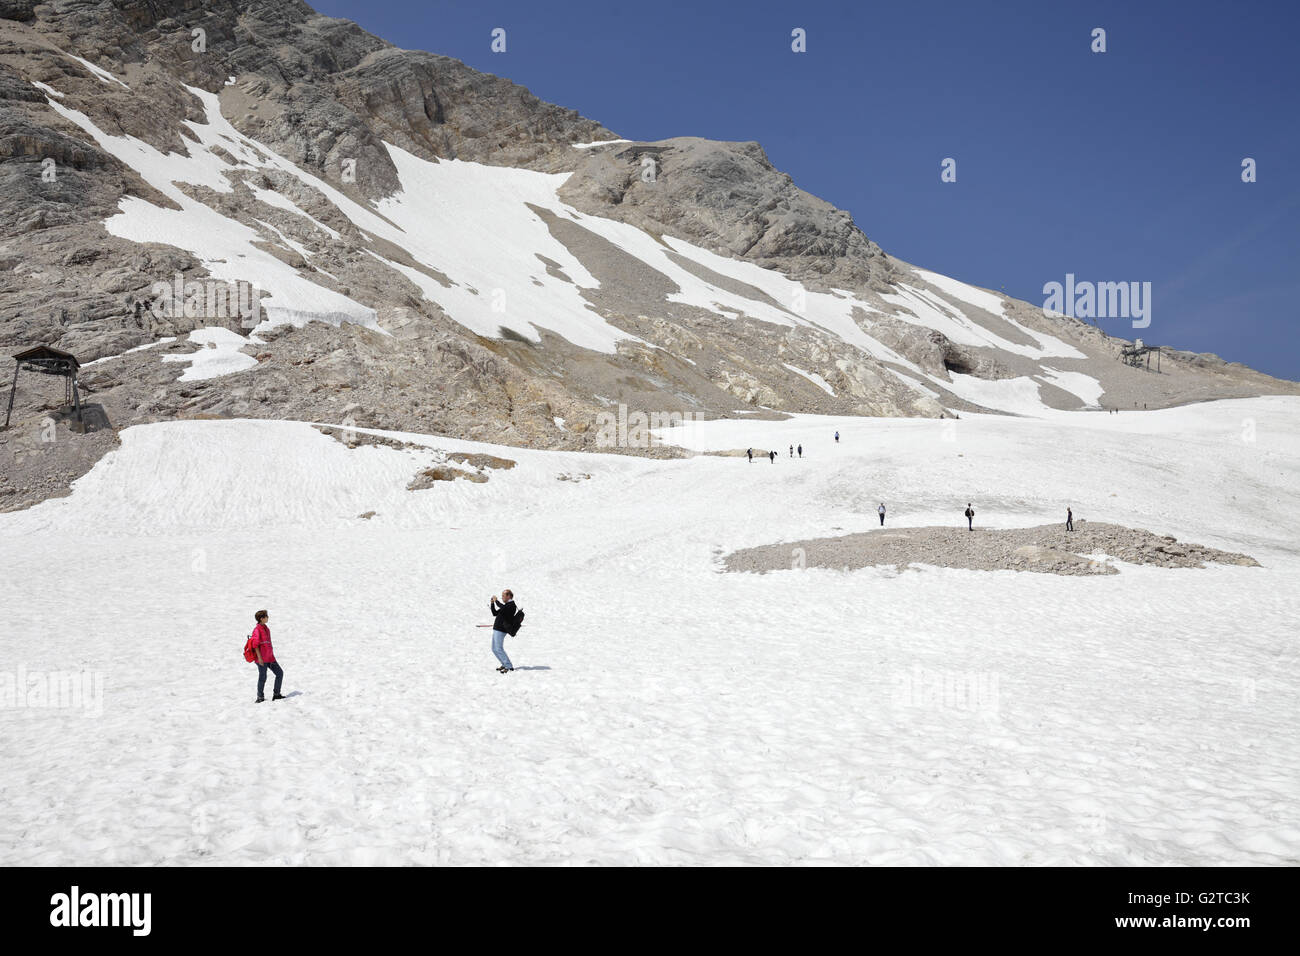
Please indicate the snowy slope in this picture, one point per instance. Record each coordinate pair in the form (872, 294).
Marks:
(225, 246)
(663, 712)
(482, 251)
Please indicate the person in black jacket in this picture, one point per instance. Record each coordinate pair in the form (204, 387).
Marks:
(503, 623)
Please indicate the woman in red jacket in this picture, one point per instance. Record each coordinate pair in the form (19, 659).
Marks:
(265, 657)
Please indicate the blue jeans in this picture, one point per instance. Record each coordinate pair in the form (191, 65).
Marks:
(261, 677)
(498, 648)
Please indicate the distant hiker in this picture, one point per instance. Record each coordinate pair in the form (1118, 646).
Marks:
(264, 654)
(771, 456)
(837, 438)
(801, 451)
(1069, 519)
(792, 451)
(506, 623)
(881, 511)
(750, 453)
(970, 517)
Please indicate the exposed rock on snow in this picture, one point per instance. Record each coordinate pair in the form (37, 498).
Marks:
(481, 461)
(1047, 549)
(478, 466)
(429, 476)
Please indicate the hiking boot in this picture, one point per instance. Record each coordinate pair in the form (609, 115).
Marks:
(278, 697)
(259, 700)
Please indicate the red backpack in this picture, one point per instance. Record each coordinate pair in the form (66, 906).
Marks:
(249, 654)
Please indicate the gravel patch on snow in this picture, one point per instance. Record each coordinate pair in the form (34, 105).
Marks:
(1045, 549)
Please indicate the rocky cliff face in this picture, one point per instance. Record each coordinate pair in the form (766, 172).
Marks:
(436, 249)
(728, 198)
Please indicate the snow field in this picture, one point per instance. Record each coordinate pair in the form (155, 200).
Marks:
(221, 354)
(663, 712)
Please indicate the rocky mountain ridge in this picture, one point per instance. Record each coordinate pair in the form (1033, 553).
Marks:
(440, 251)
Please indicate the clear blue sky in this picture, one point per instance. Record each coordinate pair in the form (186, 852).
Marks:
(1122, 166)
